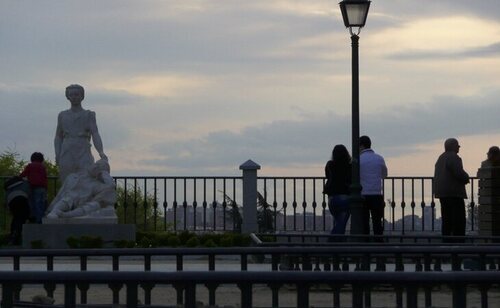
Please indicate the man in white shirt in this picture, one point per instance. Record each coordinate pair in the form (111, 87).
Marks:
(372, 171)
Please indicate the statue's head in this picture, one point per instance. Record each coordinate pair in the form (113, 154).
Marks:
(99, 167)
(75, 92)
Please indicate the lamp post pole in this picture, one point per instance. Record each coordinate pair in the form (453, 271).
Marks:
(354, 14)
(356, 204)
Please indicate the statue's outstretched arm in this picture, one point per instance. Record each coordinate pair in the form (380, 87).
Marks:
(58, 138)
(96, 138)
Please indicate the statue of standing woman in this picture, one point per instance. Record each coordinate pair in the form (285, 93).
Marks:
(75, 127)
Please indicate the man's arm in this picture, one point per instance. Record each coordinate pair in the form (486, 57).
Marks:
(457, 169)
(384, 169)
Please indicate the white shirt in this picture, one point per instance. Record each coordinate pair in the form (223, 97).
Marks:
(372, 171)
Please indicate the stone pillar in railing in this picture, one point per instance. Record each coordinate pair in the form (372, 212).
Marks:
(489, 199)
(249, 196)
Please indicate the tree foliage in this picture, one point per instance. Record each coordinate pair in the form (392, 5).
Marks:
(132, 207)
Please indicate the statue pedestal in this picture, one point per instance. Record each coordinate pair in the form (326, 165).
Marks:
(54, 232)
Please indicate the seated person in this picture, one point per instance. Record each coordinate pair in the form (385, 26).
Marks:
(88, 193)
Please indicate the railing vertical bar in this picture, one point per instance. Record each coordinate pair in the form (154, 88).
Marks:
(412, 296)
(165, 204)
(275, 206)
(433, 205)
(179, 262)
(302, 295)
(244, 262)
(7, 295)
(184, 203)
(428, 295)
(422, 205)
(403, 206)
(412, 204)
(357, 295)
(459, 295)
(472, 204)
(211, 262)
(155, 204)
(314, 204)
(125, 197)
(190, 295)
(69, 294)
(145, 204)
(195, 204)
(135, 201)
(49, 287)
(294, 205)
(323, 206)
(246, 295)
(304, 205)
(132, 294)
(224, 204)
(174, 204)
(284, 204)
(393, 205)
(214, 205)
(235, 208)
(83, 287)
(204, 204)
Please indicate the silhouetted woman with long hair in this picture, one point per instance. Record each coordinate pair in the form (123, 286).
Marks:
(338, 176)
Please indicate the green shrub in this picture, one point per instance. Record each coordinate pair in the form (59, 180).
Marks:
(193, 242)
(209, 243)
(162, 239)
(123, 244)
(174, 241)
(72, 242)
(37, 244)
(85, 242)
(91, 242)
(185, 236)
(213, 238)
(145, 242)
(4, 239)
(241, 240)
(226, 240)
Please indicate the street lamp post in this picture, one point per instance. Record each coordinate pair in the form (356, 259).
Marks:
(354, 13)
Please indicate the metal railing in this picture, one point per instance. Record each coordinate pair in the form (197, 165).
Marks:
(287, 204)
(360, 283)
(354, 272)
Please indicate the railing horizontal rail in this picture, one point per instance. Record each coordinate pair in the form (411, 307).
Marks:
(489, 249)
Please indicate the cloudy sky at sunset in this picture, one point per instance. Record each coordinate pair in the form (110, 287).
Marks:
(191, 87)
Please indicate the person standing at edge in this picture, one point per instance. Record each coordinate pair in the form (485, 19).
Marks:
(75, 127)
(36, 173)
(449, 183)
(338, 178)
(372, 171)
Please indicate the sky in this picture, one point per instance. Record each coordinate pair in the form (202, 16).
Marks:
(191, 87)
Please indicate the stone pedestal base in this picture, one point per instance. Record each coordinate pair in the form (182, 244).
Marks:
(54, 235)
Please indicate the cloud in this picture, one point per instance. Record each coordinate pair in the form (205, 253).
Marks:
(492, 50)
(309, 141)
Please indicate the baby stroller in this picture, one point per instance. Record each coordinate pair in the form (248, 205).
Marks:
(17, 193)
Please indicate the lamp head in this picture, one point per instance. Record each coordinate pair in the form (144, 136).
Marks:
(354, 13)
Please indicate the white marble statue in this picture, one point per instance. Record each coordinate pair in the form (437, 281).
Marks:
(87, 193)
(75, 127)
